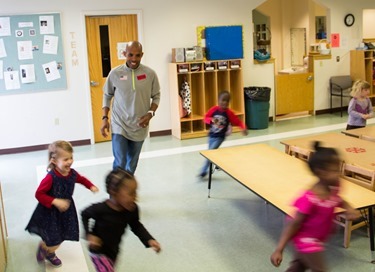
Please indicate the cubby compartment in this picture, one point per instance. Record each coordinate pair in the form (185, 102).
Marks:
(196, 67)
(197, 95)
(186, 127)
(210, 86)
(237, 98)
(223, 80)
(198, 126)
(209, 66)
(235, 64)
(183, 68)
(205, 81)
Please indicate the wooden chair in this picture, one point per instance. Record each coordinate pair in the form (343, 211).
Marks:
(340, 86)
(299, 153)
(350, 225)
(367, 138)
(359, 175)
(365, 178)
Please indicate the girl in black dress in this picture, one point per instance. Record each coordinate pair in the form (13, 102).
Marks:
(55, 217)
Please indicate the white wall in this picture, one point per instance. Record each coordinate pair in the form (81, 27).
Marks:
(368, 23)
(29, 119)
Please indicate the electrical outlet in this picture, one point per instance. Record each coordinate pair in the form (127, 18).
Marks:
(338, 58)
(57, 121)
(321, 63)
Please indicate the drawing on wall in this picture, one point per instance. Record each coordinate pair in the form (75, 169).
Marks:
(31, 53)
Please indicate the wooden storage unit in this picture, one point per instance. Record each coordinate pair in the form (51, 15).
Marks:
(362, 66)
(206, 79)
(3, 236)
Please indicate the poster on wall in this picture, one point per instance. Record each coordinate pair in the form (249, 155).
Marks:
(335, 40)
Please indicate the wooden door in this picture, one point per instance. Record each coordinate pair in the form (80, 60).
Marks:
(294, 93)
(104, 34)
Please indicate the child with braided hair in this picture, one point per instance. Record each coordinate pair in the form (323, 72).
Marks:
(105, 222)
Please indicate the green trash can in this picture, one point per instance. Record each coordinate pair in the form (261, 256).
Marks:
(257, 107)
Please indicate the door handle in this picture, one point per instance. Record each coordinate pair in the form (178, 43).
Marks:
(309, 78)
(94, 83)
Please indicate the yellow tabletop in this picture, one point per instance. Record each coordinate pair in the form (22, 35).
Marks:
(277, 177)
(367, 132)
(352, 150)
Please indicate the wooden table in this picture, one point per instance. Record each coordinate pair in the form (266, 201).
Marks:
(279, 178)
(358, 155)
(365, 133)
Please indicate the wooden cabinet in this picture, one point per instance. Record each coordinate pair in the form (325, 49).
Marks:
(294, 93)
(362, 66)
(206, 79)
(3, 236)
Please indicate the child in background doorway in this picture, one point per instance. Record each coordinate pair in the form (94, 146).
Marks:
(105, 222)
(55, 217)
(360, 107)
(313, 219)
(220, 118)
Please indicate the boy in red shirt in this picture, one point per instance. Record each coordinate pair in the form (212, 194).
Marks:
(220, 117)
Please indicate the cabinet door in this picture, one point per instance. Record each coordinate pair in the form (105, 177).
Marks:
(294, 93)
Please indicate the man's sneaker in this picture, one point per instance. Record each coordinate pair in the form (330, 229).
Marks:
(41, 254)
(53, 259)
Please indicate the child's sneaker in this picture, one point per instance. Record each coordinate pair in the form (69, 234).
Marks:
(40, 254)
(53, 259)
(201, 175)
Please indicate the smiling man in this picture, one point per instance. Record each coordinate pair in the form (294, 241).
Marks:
(135, 91)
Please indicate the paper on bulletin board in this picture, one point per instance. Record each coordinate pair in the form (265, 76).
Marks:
(335, 40)
(50, 44)
(50, 71)
(27, 73)
(5, 26)
(46, 24)
(121, 48)
(12, 81)
(3, 52)
(25, 50)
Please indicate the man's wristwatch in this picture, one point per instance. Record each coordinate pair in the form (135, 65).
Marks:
(152, 112)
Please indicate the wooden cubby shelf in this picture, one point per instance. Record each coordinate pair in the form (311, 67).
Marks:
(206, 79)
(362, 66)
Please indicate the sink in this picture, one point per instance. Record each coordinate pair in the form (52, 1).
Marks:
(293, 70)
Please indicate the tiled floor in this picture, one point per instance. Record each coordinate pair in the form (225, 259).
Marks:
(234, 230)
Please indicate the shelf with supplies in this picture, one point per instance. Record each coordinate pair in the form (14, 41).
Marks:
(203, 81)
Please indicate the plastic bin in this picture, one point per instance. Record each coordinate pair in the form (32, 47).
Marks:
(257, 107)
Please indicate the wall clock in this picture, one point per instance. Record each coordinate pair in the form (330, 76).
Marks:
(349, 19)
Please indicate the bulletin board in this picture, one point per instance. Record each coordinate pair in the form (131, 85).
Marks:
(31, 53)
(224, 42)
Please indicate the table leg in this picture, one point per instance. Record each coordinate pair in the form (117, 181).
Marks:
(371, 226)
(209, 179)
